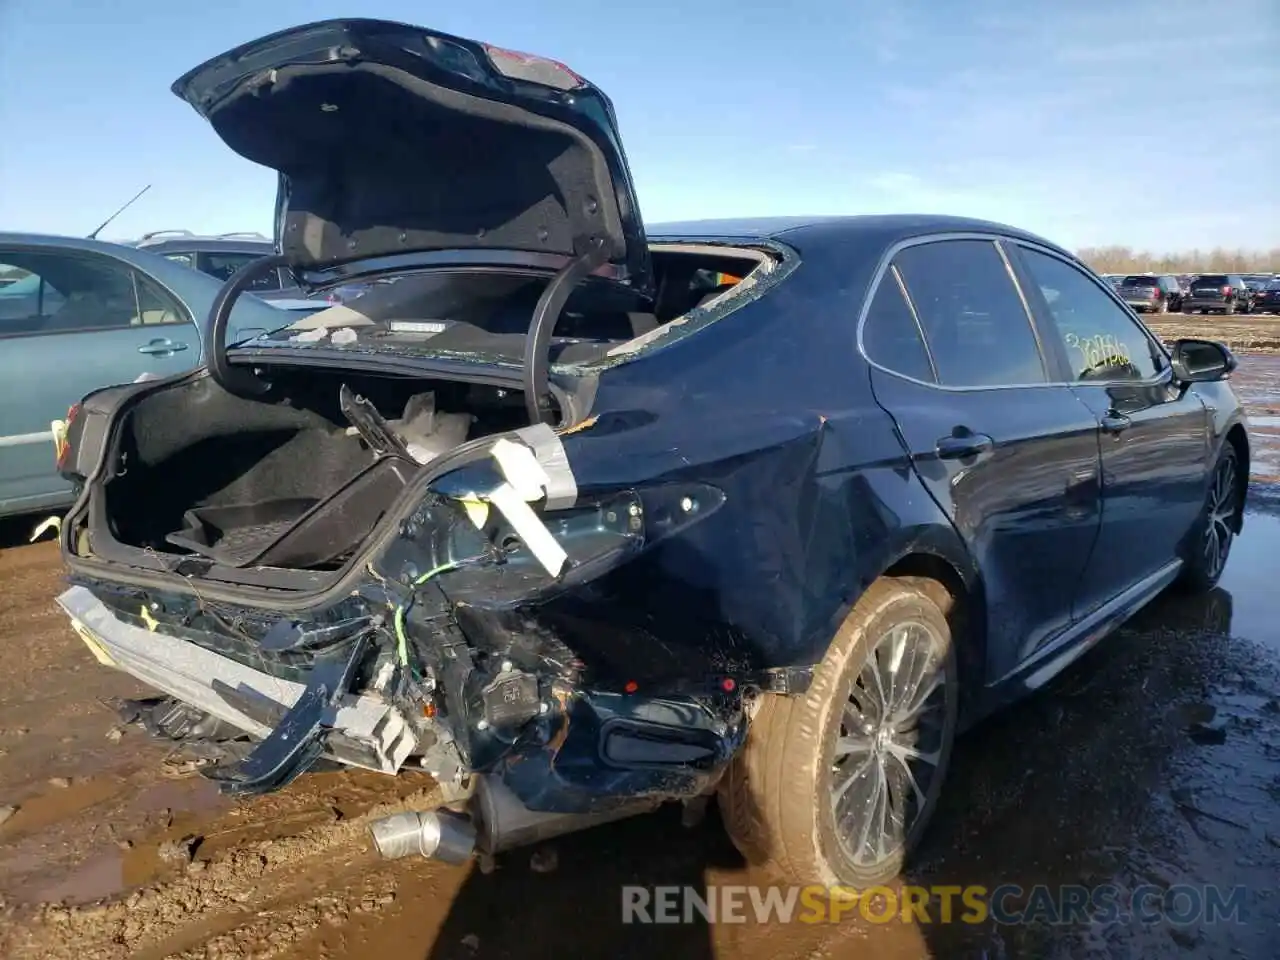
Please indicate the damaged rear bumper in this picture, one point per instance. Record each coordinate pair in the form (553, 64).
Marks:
(556, 746)
(357, 730)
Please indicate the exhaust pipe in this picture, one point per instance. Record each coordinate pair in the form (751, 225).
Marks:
(506, 823)
(436, 834)
(503, 824)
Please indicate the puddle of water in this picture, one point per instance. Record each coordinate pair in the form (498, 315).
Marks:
(1250, 578)
(60, 803)
(96, 878)
(192, 795)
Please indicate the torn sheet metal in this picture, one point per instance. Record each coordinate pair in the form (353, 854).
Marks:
(189, 672)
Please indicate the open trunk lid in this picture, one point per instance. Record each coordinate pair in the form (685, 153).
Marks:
(393, 141)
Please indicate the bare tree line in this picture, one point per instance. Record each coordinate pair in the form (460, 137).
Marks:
(1218, 260)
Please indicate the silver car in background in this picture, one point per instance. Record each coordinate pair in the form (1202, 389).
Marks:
(77, 315)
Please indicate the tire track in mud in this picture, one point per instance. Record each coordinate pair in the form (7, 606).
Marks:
(258, 899)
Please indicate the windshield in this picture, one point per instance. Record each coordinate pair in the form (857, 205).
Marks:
(1136, 281)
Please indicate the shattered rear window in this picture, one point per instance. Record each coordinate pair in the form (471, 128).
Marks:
(463, 313)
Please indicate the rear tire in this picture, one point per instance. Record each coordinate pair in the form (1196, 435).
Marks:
(1209, 546)
(837, 786)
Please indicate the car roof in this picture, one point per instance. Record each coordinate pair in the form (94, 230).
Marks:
(234, 244)
(84, 244)
(877, 229)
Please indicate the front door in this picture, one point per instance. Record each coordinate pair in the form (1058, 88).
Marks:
(1010, 456)
(70, 323)
(1155, 434)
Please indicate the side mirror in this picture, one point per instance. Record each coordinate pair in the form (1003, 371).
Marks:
(1201, 361)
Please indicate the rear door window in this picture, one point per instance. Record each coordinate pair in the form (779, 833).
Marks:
(890, 335)
(223, 265)
(973, 319)
(58, 293)
(1102, 341)
(156, 305)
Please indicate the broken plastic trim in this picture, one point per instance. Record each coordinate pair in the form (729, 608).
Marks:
(298, 739)
(537, 347)
(242, 383)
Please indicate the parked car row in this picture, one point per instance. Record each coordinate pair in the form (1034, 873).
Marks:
(1206, 293)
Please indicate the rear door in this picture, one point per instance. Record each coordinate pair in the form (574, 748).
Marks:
(1011, 456)
(1155, 434)
(86, 321)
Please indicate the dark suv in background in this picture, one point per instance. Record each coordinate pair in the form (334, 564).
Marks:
(1223, 292)
(1267, 295)
(221, 255)
(1156, 294)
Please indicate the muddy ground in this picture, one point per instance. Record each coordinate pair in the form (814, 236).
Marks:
(1252, 333)
(1154, 760)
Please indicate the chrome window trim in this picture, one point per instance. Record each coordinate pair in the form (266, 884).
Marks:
(997, 240)
(911, 308)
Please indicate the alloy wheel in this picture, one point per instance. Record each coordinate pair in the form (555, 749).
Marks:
(1221, 511)
(891, 734)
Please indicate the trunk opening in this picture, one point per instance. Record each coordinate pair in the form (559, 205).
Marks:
(283, 490)
(287, 480)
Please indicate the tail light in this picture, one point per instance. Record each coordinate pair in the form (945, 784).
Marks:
(61, 432)
(516, 65)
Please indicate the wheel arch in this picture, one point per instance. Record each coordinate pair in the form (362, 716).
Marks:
(954, 582)
(1238, 438)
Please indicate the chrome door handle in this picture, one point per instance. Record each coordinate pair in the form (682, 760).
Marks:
(162, 346)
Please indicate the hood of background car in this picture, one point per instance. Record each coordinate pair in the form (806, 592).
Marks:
(393, 140)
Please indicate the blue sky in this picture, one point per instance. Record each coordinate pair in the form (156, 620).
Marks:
(1090, 122)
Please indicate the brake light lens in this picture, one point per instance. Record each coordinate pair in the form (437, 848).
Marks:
(533, 69)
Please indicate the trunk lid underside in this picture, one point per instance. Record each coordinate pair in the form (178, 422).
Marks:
(392, 140)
